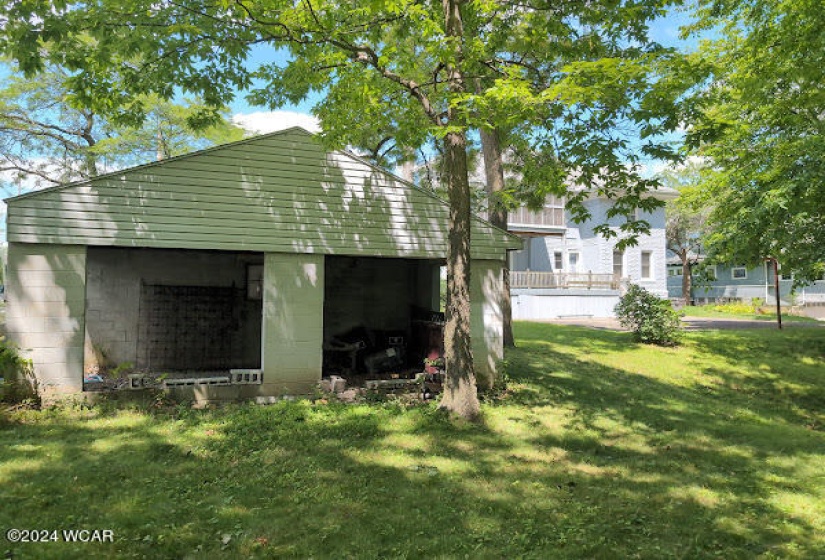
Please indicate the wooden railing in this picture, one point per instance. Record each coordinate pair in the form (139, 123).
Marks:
(551, 216)
(547, 280)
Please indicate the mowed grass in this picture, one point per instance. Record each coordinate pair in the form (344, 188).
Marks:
(768, 314)
(601, 449)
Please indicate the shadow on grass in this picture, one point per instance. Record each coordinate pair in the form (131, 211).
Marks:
(582, 460)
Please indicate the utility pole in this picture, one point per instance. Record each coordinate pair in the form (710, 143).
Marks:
(776, 291)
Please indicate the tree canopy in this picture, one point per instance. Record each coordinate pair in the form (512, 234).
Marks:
(760, 120)
(47, 139)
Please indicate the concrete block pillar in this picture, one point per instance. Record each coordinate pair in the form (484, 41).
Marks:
(45, 313)
(293, 323)
(486, 320)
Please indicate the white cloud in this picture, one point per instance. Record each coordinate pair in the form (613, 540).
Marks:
(261, 122)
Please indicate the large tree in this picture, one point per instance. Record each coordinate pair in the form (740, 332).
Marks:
(686, 217)
(759, 118)
(45, 139)
(403, 66)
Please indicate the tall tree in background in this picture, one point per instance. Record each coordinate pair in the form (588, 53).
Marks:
(405, 65)
(760, 120)
(686, 218)
(46, 140)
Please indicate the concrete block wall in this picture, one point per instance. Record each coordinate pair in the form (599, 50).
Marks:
(113, 296)
(486, 319)
(46, 289)
(293, 322)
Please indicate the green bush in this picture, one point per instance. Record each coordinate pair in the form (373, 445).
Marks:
(651, 318)
(18, 381)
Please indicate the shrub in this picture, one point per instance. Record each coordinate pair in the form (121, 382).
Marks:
(19, 384)
(651, 318)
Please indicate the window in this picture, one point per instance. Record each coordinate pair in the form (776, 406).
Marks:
(618, 263)
(674, 271)
(573, 261)
(647, 268)
(709, 272)
(558, 261)
(554, 207)
(739, 273)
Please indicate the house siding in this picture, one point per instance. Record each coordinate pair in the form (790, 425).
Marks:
(596, 252)
(759, 284)
(277, 193)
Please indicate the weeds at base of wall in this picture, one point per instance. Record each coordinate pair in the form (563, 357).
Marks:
(500, 386)
(19, 385)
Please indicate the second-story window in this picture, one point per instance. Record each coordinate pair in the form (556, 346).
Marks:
(552, 215)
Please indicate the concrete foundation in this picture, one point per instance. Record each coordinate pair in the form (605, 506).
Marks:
(536, 305)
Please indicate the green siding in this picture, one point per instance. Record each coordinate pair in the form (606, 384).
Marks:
(275, 193)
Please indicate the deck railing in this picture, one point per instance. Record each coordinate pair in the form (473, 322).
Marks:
(550, 216)
(548, 280)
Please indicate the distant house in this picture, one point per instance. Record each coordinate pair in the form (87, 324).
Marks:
(724, 283)
(567, 269)
(233, 269)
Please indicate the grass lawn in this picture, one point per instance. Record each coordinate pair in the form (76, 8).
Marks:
(768, 315)
(602, 449)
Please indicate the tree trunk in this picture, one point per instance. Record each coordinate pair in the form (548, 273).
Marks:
(460, 384)
(460, 393)
(494, 171)
(687, 280)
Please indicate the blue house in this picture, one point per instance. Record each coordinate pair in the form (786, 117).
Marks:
(723, 283)
(567, 269)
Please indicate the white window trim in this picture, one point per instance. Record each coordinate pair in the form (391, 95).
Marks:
(733, 273)
(709, 269)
